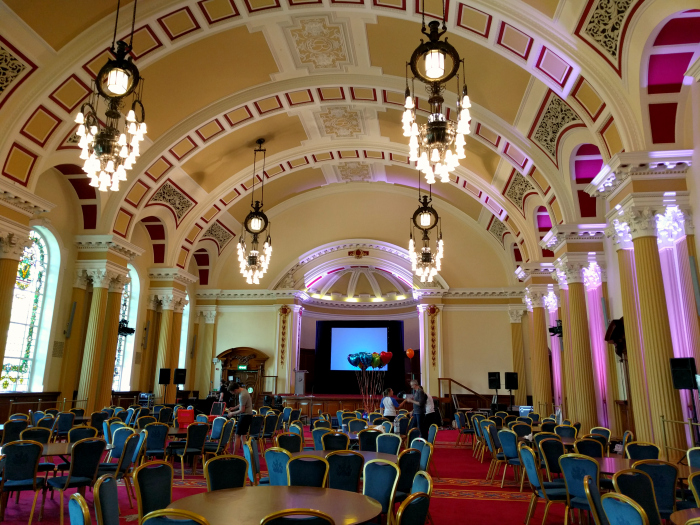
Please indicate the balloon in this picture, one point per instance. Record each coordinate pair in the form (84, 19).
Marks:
(366, 359)
(386, 357)
(353, 359)
(376, 360)
(409, 353)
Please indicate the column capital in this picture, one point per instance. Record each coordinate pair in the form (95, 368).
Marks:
(209, 316)
(619, 233)
(81, 279)
(515, 313)
(535, 296)
(153, 302)
(179, 306)
(173, 302)
(587, 268)
(551, 301)
(101, 277)
(117, 284)
(13, 243)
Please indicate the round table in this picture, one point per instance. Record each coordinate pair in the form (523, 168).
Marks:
(250, 505)
(681, 516)
(615, 464)
(368, 455)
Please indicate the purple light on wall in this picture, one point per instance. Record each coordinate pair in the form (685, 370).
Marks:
(594, 296)
(555, 345)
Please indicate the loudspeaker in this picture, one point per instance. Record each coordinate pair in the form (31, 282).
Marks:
(164, 376)
(683, 373)
(511, 380)
(179, 377)
(494, 380)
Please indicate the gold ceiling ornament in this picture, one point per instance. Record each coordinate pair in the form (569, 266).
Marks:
(111, 148)
(438, 145)
(254, 263)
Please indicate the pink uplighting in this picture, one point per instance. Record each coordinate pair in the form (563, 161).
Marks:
(599, 348)
(555, 345)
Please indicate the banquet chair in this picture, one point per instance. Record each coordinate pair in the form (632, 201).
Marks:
(97, 418)
(118, 439)
(594, 501)
(621, 510)
(566, 422)
(463, 429)
(79, 412)
(307, 471)
(53, 411)
(422, 482)
(216, 448)
(121, 468)
(20, 464)
(694, 484)
(172, 516)
(121, 414)
(86, 456)
(480, 444)
(344, 469)
(155, 442)
(403, 425)
(379, 482)
(256, 426)
(575, 467)
(521, 429)
(289, 441)
(602, 431)
(640, 450)
(36, 416)
(664, 476)
(47, 422)
(693, 457)
(409, 466)
(358, 414)
(540, 489)
(414, 433)
(292, 517)
(600, 439)
(374, 416)
(432, 434)
(335, 441)
(106, 500)
(551, 450)
(225, 472)
(143, 421)
(509, 419)
(577, 426)
(322, 423)
(414, 510)
(317, 434)
(388, 444)
(565, 431)
(74, 435)
(217, 425)
(78, 511)
(525, 419)
(164, 415)
(270, 427)
(294, 415)
(18, 416)
(201, 418)
(388, 426)
(12, 430)
(426, 453)
(501, 414)
(276, 459)
(43, 436)
(368, 439)
(589, 447)
(129, 416)
(509, 446)
(153, 482)
(194, 445)
(255, 455)
(627, 437)
(548, 426)
(355, 425)
(138, 414)
(534, 416)
(638, 486)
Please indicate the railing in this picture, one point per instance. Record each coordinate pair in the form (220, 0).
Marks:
(690, 431)
(40, 402)
(486, 402)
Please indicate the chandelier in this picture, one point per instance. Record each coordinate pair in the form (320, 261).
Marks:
(437, 145)
(254, 263)
(425, 263)
(110, 146)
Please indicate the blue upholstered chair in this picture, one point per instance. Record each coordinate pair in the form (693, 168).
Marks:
(173, 517)
(379, 482)
(119, 437)
(193, 446)
(317, 434)
(138, 414)
(120, 414)
(344, 470)
(414, 433)
(255, 455)
(165, 415)
(422, 482)
(13, 429)
(627, 437)
(225, 472)
(575, 467)
(534, 416)
(298, 517)
(548, 492)
(388, 426)
(373, 416)
(664, 476)
(270, 425)
(216, 427)
(218, 447)
(143, 421)
(638, 486)
(496, 457)
(414, 510)
(388, 444)
(693, 456)
(86, 456)
(464, 430)
(509, 446)
(565, 431)
(525, 419)
(106, 500)
(112, 428)
(355, 425)
(602, 431)
(155, 442)
(621, 510)
(79, 412)
(20, 465)
(43, 436)
(36, 416)
(97, 418)
(548, 426)
(409, 465)
(589, 447)
(201, 418)
(335, 441)
(594, 501)
(307, 471)
(277, 459)
(286, 413)
(75, 434)
(694, 484)
(600, 438)
(154, 485)
(368, 439)
(129, 416)
(551, 449)
(64, 422)
(289, 441)
(638, 450)
(78, 511)
(476, 425)
(322, 423)
(432, 434)
(108, 411)
(47, 421)
(403, 425)
(121, 469)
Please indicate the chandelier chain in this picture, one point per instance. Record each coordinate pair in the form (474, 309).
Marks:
(116, 22)
(133, 25)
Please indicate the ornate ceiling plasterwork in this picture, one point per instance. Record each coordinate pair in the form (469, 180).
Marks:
(519, 189)
(174, 199)
(319, 44)
(219, 234)
(354, 172)
(14, 69)
(556, 117)
(498, 230)
(341, 122)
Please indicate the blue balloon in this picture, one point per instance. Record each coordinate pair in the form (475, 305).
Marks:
(353, 359)
(366, 359)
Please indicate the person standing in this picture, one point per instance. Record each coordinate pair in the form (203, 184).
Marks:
(420, 398)
(224, 396)
(244, 410)
(389, 404)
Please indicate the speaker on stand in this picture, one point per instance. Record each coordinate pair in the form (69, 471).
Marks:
(494, 384)
(511, 380)
(164, 379)
(683, 374)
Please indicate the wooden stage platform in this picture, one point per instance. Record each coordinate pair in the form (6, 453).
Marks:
(311, 404)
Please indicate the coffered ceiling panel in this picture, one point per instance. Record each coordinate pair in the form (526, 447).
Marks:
(495, 82)
(206, 70)
(230, 154)
(548, 7)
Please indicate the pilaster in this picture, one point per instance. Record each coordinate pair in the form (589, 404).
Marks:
(535, 296)
(70, 365)
(516, 329)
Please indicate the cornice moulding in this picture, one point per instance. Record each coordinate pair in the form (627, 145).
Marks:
(22, 199)
(561, 233)
(112, 243)
(172, 274)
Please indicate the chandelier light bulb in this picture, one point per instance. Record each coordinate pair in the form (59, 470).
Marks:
(80, 118)
(434, 64)
(256, 224)
(118, 81)
(435, 155)
(409, 102)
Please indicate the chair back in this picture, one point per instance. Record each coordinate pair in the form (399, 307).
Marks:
(86, 455)
(638, 486)
(118, 440)
(322, 423)
(380, 478)
(425, 454)
(64, 422)
(344, 469)
(422, 482)
(388, 444)
(248, 454)
(294, 415)
(144, 420)
(157, 435)
(256, 425)
(521, 429)
(129, 452)
(140, 446)
(277, 459)
(594, 502)
(20, 463)
(627, 437)
(403, 425)
(534, 416)
(368, 439)
(388, 426)
(75, 434)
(225, 436)
(317, 434)
(664, 477)
(201, 418)
(694, 484)
(432, 433)
(600, 438)
(52, 411)
(693, 457)
(225, 472)
(335, 441)
(40, 435)
(129, 416)
(414, 433)
(286, 412)
(97, 418)
(589, 447)
(641, 450)
(289, 441)
(298, 517)
(575, 467)
(532, 467)
(296, 428)
(409, 465)
(47, 422)
(271, 423)
(621, 510)
(601, 431)
(551, 450)
(184, 417)
(565, 431)
(106, 500)
(197, 435)
(373, 416)
(78, 511)
(524, 419)
(307, 471)
(413, 510)
(154, 486)
(164, 415)
(79, 412)
(113, 424)
(36, 416)
(121, 415)
(355, 425)
(509, 443)
(548, 426)
(13, 429)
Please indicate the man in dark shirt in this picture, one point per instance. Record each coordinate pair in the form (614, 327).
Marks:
(419, 400)
(224, 396)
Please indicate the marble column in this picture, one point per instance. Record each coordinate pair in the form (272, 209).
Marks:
(109, 352)
(656, 331)
(516, 331)
(568, 361)
(90, 370)
(539, 355)
(148, 347)
(191, 359)
(206, 353)
(686, 295)
(70, 365)
(12, 247)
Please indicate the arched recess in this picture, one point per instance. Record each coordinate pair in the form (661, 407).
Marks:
(203, 262)
(157, 232)
(87, 195)
(671, 48)
(586, 162)
(543, 223)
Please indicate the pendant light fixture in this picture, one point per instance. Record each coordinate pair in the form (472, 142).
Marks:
(425, 263)
(438, 145)
(254, 263)
(109, 145)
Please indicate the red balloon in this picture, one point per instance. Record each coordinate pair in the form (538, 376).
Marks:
(409, 353)
(386, 357)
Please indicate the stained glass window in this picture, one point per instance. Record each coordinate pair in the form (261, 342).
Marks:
(119, 379)
(25, 320)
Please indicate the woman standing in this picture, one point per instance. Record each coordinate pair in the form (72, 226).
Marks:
(389, 404)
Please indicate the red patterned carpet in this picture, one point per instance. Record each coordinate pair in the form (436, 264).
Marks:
(461, 494)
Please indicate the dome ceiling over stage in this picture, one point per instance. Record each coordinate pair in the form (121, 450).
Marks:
(359, 284)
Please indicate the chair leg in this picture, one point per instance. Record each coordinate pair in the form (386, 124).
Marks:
(531, 509)
(566, 515)
(3, 504)
(43, 501)
(522, 480)
(128, 495)
(546, 511)
(182, 466)
(503, 480)
(31, 514)
(60, 492)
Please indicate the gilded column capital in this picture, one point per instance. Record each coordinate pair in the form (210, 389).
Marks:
(515, 313)
(12, 245)
(179, 305)
(209, 316)
(101, 278)
(619, 233)
(118, 283)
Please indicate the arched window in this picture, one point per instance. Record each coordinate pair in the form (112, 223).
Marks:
(125, 342)
(183, 335)
(26, 317)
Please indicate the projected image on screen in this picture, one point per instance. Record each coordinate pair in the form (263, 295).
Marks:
(346, 341)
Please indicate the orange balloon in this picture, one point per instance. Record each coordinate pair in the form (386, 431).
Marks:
(409, 353)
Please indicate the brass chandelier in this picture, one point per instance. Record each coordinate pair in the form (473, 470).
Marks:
(426, 262)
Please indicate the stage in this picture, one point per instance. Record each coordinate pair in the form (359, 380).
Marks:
(310, 405)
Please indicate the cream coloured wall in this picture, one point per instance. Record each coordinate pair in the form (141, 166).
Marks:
(475, 342)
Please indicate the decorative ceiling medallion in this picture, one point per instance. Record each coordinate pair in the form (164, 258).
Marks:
(555, 118)
(519, 189)
(340, 122)
(14, 69)
(353, 172)
(174, 199)
(319, 43)
(498, 230)
(220, 235)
